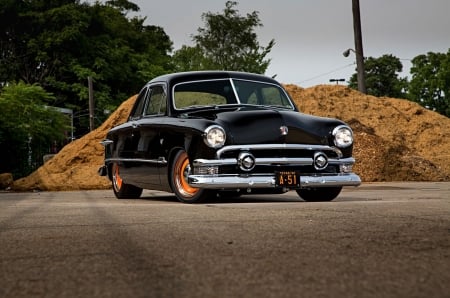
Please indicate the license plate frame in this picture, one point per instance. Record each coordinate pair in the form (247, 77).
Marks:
(288, 179)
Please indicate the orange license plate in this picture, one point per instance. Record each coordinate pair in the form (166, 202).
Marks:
(290, 179)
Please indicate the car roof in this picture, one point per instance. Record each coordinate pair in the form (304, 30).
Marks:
(174, 78)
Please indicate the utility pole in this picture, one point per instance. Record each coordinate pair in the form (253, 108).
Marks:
(91, 104)
(359, 47)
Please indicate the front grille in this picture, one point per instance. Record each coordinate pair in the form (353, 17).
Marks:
(277, 153)
(264, 169)
(279, 157)
(279, 150)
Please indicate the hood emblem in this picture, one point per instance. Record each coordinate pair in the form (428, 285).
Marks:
(284, 130)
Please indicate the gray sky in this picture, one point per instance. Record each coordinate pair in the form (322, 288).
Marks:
(311, 35)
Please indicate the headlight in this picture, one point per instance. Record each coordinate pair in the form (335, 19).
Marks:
(343, 136)
(214, 136)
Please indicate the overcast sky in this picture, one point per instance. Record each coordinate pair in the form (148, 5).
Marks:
(311, 35)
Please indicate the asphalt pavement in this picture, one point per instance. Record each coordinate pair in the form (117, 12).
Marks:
(377, 240)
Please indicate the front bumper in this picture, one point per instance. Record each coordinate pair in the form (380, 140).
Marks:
(268, 181)
(206, 175)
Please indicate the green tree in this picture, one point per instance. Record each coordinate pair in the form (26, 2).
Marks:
(28, 127)
(189, 58)
(227, 42)
(59, 43)
(382, 77)
(430, 82)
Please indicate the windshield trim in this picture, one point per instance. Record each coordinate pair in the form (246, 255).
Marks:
(236, 95)
(292, 107)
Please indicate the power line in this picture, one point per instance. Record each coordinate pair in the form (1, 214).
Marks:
(336, 70)
(327, 73)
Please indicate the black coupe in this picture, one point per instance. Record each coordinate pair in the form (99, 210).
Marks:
(221, 133)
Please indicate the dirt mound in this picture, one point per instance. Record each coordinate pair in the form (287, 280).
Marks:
(395, 140)
(75, 166)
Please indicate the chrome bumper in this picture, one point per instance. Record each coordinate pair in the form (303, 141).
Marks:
(268, 181)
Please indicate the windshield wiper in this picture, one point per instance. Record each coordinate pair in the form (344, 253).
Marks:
(278, 107)
(199, 106)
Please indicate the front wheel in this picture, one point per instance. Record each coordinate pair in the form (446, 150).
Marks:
(179, 180)
(121, 189)
(323, 194)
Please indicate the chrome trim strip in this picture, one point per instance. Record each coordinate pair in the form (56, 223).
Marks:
(214, 162)
(294, 161)
(268, 181)
(346, 161)
(161, 160)
(349, 179)
(106, 142)
(277, 147)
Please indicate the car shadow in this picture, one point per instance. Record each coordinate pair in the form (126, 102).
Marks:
(289, 197)
(227, 200)
(253, 198)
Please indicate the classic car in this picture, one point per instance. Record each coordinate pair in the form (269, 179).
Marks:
(219, 133)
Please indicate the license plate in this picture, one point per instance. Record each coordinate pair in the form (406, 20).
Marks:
(290, 179)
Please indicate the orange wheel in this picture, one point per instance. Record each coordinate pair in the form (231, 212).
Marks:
(181, 169)
(116, 180)
(120, 188)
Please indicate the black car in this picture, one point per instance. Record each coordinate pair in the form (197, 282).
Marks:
(221, 133)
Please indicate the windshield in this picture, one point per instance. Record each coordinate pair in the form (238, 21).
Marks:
(229, 92)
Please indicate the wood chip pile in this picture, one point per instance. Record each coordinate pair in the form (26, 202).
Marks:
(395, 140)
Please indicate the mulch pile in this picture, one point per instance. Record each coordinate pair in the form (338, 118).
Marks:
(395, 140)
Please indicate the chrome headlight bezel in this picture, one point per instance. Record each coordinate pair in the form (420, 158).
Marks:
(214, 136)
(343, 136)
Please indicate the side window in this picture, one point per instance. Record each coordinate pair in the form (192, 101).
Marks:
(157, 102)
(138, 107)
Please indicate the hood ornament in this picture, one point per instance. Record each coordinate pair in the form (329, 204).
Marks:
(284, 130)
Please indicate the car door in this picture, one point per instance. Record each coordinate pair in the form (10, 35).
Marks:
(148, 127)
(127, 140)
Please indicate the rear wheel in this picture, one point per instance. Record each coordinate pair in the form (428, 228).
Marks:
(179, 181)
(323, 194)
(121, 189)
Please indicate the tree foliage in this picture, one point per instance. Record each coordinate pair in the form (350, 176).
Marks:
(430, 83)
(27, 123)
(227, 42)
(59, 43)
(189, 58)
(53, 46)
(382, 77)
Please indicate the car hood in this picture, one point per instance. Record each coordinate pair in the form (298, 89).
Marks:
(263, 126)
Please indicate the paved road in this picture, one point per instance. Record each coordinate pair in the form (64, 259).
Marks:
(378, 240)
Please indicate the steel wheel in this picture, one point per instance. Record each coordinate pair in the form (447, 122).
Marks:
(179, 178)
(116, 179)
(121, 189)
